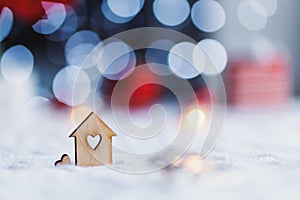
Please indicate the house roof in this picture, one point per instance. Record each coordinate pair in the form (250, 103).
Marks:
(102, 123)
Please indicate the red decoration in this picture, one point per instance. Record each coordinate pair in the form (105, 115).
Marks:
(145, 95)
(255, 83)
(29, 11)
(204, 97)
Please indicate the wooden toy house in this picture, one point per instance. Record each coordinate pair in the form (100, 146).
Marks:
(93, 142)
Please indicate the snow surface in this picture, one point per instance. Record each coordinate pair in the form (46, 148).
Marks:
(257, 157)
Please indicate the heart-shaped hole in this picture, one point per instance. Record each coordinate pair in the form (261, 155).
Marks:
(94, 141)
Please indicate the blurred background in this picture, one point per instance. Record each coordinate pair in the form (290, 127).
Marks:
(251, 43)
(47, 47)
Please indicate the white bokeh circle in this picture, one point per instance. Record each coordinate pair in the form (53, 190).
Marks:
(17, 64)
(215, 56)
(208, 15)
(181, 60)
(252, 15)
(64, 84)
(56, 14)
(6, 22)
(171, 12)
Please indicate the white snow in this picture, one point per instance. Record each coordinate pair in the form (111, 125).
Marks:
(257, 157)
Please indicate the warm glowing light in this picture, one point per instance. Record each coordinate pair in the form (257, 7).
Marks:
(78, 114)
(195, 116)
(194, 163)
(177, 163)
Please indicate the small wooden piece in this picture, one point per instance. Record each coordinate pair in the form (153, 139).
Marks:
(93, 142)
(64, 160)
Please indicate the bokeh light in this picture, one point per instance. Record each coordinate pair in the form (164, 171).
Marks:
(92, 72)
(115, 60)
(171, 12)
(37, 105)
(79, 45)
(181, 60)
(252, 15)
(215, 56)
(194, 164)
(17, 64)
(208, 15)
(195, 116)
(111, 16)
(155, 54)
(56, 14)
(64, 85)
(78, 54)
(6, 22)
(68, 27)
(270, 6)
(37, 102)
(80, 37)
(125, 8)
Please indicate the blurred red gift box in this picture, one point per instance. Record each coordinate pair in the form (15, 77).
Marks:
(259, 82)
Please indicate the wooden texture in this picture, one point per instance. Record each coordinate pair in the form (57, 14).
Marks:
(101, 153)
(64, 160)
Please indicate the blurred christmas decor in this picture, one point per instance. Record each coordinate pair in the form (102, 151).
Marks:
(192, 163)
(29, 11)
(144, 96)
(263, 82)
